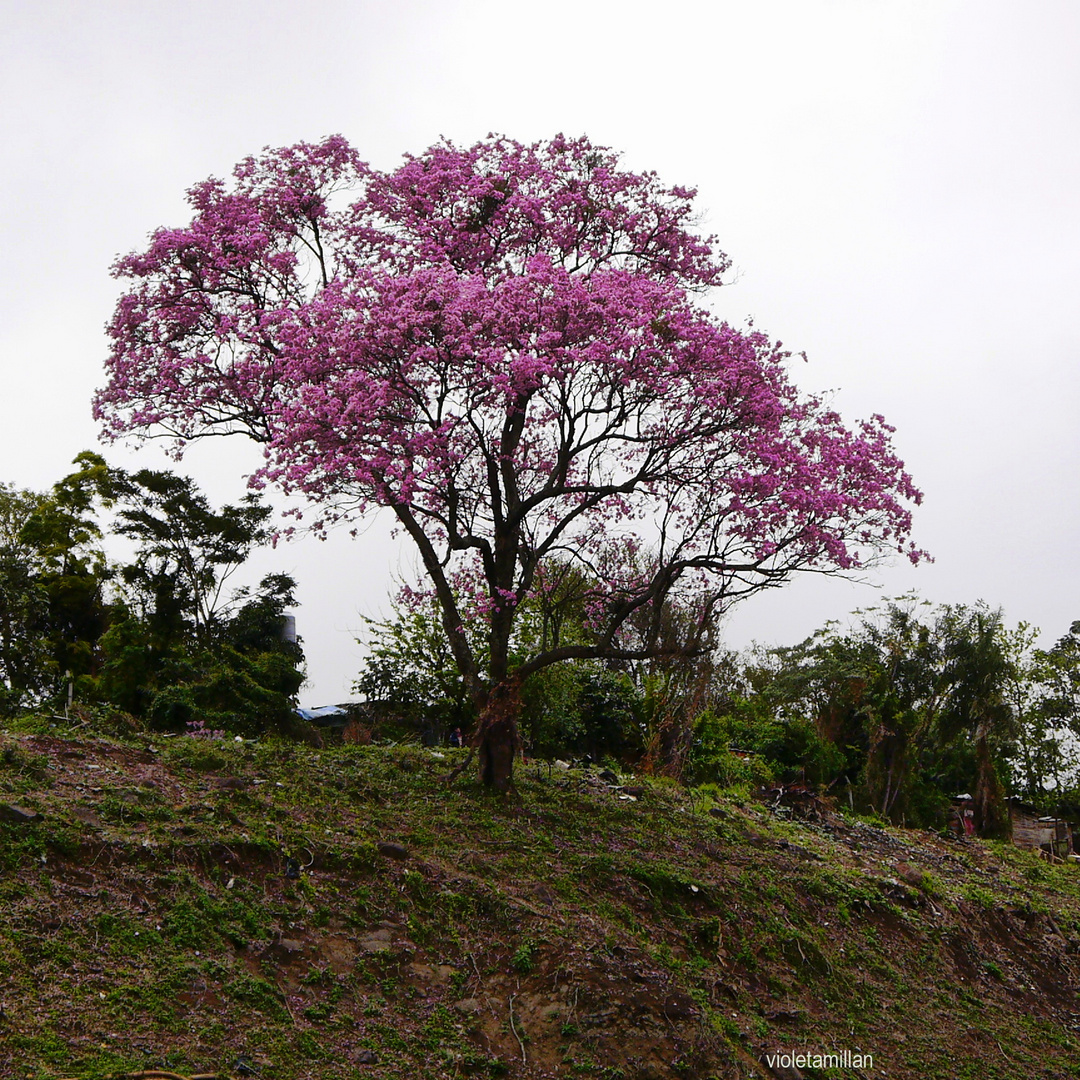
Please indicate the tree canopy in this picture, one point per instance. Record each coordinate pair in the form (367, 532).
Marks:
(507, 347)
(156, 639)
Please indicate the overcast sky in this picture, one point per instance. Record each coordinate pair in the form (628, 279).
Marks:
(897, 183)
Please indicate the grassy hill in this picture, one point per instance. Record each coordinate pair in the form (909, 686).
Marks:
(274, 910)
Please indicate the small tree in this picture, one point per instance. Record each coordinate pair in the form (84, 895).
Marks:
(410, 670)
(25, 660)
(180, 648)
(186, 550)
(52, 576)
(977, 671)
(919, 706)
(504, 346)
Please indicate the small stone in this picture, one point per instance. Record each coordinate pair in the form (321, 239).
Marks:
(367, 1057)
(229, 783)
(469, 1006)
(393, 851)
(17, 815)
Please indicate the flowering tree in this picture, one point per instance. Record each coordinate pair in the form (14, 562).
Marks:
(505, 346)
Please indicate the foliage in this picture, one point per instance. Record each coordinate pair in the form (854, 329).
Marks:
(583, 710)
(572, 710)
(1048, 712)
(52, 578)
(743, 742)
(244, 680)
(24, 655)
(186, 550)
(155, 638)
(503, 345)
(410, 671)
(907, 708)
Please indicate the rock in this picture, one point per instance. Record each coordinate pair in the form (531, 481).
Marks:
(469, 1006)
(229, 783)
(716, 812)
(17, 815)
(367, 1057)
(796, 849)
(784, 1016)
(393, 851)
(910, 875)
(439, 974)
(545, 895)
(775, 1065)
(564, 765)
(377, 941)
(286, 950)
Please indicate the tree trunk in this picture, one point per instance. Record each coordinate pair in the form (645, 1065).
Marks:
(498, 738)
(991, 813)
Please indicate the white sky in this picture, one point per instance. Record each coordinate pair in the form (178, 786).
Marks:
(898, 185)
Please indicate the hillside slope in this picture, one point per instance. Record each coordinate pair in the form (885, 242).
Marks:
(227, 908)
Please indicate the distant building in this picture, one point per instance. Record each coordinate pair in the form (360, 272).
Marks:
(1030, 830)
(1039, 833)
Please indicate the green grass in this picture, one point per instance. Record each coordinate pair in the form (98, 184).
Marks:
(172, 932)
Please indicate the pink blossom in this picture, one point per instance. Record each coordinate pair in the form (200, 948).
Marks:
(506, 346)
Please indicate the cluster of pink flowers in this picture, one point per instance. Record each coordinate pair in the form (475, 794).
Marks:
(197, 729)
(505, 345)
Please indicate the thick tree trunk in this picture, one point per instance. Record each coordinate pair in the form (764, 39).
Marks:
(498, 738)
